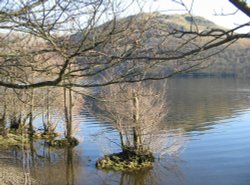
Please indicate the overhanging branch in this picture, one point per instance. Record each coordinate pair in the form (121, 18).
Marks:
(242, 6)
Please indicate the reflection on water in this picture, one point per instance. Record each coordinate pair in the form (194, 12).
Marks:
(196, 104)
(212, 114)
(70, 176)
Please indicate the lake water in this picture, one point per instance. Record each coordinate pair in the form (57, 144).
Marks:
(208, 117)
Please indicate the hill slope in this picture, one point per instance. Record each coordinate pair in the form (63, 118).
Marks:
(151, 31)
(234, 61)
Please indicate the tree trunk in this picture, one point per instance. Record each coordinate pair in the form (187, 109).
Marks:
(14, 125)
(68, 105)
(122, 142)
(136, 128)
(31, 130)
(48, 115)
(69, 129)
(3, 122)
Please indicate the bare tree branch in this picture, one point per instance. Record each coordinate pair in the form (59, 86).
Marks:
(242, 6)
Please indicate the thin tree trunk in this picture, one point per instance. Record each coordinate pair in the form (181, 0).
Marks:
(122, 142)
(69, 129)
(48, 115)
(136, 120)
(3, 119)
(31, 130)
(66, 110)
(13, 121)
(45, 128)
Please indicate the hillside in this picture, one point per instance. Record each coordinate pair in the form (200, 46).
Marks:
(234, 61)
(177, 21)
(152, 34)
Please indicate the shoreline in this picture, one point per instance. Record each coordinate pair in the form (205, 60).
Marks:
(13, 175)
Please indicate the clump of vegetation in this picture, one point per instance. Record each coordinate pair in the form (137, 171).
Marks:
(22, 110)
(137, 120)
(45, 135)
(64, 142)
(126, 161)
(12, 140)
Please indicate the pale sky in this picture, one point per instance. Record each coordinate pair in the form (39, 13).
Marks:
(204, 8)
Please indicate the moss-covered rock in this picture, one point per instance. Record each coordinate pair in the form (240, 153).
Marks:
(23, 139)
(126, 161)
(45, 135)
(13, 140)
(65, 142)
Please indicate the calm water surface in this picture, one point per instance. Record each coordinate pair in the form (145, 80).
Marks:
(211, 117)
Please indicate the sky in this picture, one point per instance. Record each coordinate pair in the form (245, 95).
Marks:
(209, 9)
